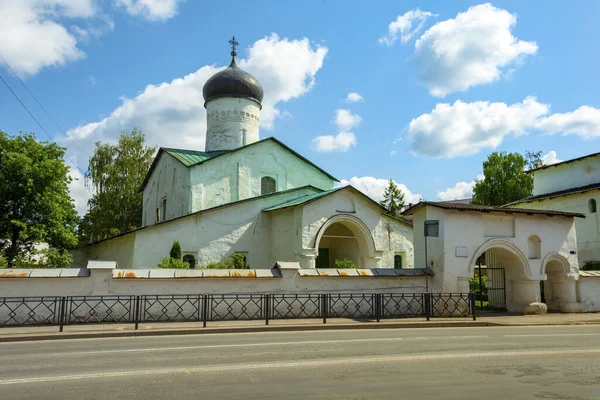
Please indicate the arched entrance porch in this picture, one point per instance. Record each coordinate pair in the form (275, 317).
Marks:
(345, 237)
(520, 289)
(558, 289)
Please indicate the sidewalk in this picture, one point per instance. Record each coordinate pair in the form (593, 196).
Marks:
(31, 333)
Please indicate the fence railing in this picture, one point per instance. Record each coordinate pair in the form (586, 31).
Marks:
(135, 309)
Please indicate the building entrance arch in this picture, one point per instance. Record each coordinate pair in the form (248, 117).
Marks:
(345, 237)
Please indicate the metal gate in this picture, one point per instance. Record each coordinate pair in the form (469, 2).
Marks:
(496, 288)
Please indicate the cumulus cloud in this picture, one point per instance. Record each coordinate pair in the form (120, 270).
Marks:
(354, 98)
(585, 122)
(172, 114)
(375, 187)
(344, 120)
(406, 26)
(152, 10)
(32, 36)
(343, 141)
(79, 192)
(471, 49)
(463, 129)
(461, 190)
(550, 158)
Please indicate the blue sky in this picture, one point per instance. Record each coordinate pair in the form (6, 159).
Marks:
(434, 102)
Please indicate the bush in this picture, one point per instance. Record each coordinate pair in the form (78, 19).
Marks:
(235, 261)
(345, 263)
(52, 258)
(175, 251)
(591, 266)
(173, 263)
(3, 262)
(474, 286)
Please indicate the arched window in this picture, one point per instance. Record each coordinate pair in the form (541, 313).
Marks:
(592, 205)
(267, 185)
(535, 246)
(190, 259)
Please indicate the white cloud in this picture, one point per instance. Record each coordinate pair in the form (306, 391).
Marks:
(343, 141)
(461, 190)
(345, 120)
(375, 187)
(392, 153)
(354, 98)
(463, 129)
(550, 158)
(406, 26)
(469, 50)
(172, 114)
(32, 36)
(92, 80)
(585, 122)
(153, 10)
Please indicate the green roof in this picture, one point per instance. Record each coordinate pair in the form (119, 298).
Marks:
(302, 200)
(191, 157)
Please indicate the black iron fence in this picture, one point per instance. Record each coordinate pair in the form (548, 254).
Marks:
(135, 309)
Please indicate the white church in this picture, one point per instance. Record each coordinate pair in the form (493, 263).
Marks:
(253, 196)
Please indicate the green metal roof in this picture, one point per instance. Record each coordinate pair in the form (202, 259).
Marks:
(191, 157)
(302, 200)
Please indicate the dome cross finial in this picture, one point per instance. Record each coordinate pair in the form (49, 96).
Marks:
(234, 43)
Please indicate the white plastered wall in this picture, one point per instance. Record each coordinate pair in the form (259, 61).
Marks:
(565, 176)
(588, 228)
(232, 122)
(170, 180)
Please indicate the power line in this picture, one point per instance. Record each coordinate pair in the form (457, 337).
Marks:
(38, 123)
(40, 104)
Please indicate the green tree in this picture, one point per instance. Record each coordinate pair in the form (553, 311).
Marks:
(35, 205)
(393, 198)
(115, 174)
(504, 180)
(534, 159)
(175, 251)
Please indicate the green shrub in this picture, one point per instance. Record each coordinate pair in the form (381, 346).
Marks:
(52, 258)
(345, 263)
(474, 285)
(591, 266)
(235, 261)
(175, 251)
(173, 263)
(3, 262)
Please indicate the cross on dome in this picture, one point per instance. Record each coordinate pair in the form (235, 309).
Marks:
(234, 43)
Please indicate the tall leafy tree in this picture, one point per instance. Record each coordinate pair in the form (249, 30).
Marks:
(504, 180)
(35, 205)
(115, 173)
(393, 198)
(534, 159)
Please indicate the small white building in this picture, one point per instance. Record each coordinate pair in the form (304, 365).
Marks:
(256, 197)
(572, 186)
(527, 246)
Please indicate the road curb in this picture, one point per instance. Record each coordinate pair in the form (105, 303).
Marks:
(271, 328)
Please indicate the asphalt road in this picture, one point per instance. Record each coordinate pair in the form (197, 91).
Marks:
(446, 363)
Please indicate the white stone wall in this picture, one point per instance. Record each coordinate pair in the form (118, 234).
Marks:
(589, 293)
(344, 202)
(565, 176)
(237, 176)
(209, 236)
(231, 123)
(588, 228)
(170, 180)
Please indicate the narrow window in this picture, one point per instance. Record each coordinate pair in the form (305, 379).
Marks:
(592, 205)
(190, 259)
(397, 261)
(267, 185)
(164, 208)
(158, 215)
(534, 243)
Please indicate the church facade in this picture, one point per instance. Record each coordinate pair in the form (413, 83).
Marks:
(256, 197)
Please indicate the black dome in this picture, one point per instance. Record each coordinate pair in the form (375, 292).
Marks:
(232, 82)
